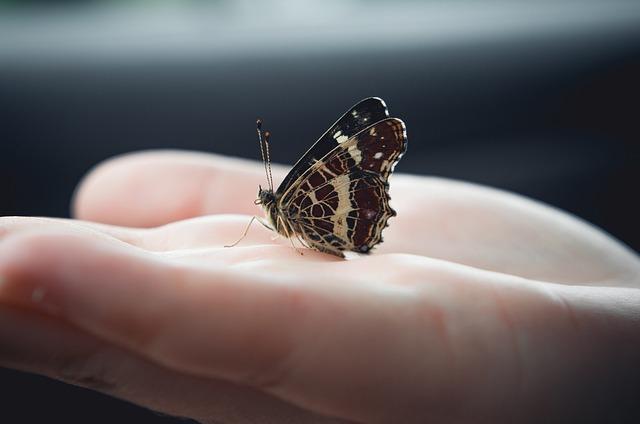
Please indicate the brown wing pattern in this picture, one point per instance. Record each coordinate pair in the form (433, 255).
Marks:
(341, 202)
(360, 116)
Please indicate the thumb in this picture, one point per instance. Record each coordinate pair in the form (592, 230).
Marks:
(154, 188)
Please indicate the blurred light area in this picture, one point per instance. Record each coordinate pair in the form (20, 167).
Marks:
(143, 30)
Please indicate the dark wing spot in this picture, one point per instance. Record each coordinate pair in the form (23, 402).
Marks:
(323, 192)
(316, 211)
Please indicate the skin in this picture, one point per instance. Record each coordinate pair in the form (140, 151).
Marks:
(481, 306)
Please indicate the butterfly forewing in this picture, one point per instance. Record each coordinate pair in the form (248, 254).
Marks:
(341, 201)
(360, 116)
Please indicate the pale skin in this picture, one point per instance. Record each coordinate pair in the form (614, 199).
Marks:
(480, 306)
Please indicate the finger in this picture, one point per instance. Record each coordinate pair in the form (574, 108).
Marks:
(216, 325)
(37, 270)
(210, 231)
(204, 238)
(206, 235)
(462, 344)
(39, 344)
(503, 232)
(11, 225)
(454, 221)
(155, 188)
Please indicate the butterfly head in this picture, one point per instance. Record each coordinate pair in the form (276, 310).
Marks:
(266, 198)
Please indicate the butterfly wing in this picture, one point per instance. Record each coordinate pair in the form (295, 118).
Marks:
(341, 201)
(360, 116)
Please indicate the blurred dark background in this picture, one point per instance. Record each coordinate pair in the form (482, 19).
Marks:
(537, 97)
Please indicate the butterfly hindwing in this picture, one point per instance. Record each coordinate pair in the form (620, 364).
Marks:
(360, 116)
(341, 202)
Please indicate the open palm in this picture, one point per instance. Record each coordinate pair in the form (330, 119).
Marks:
(480, 306)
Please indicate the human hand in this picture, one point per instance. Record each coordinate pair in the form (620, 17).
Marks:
(480, 306)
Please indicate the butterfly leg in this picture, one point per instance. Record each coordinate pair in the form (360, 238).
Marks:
(294, 247)
(246, 230)
(288, 235)
(302, 242)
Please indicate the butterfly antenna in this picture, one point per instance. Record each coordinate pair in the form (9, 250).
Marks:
(267, 136)
(265, 158)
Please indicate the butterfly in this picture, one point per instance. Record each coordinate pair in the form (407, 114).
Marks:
(336, 197)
